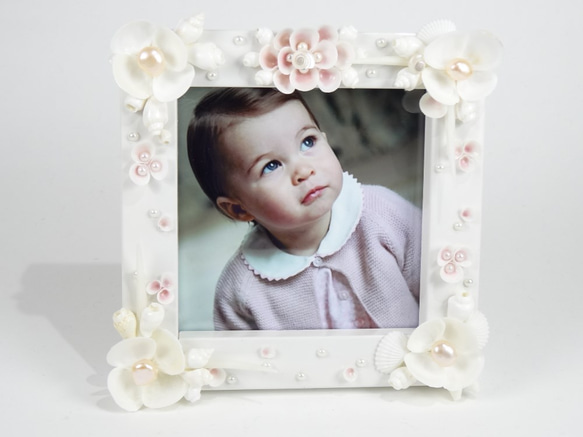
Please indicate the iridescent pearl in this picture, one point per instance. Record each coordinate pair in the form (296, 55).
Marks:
(144, 372)
(134, 136)
(141, 170)
(239, 40)
(152, 61)
(460, 256)
(381, 42)
(211, 75)
(468, 283)
(446, 255)
(417, 63)
(300, 376)
(449, 268)
(144, 156)
(232, 380)
(458, 226)
(361, 362)
(370, 73)
(318, 57)
(459, 69)
(302, 46)
(155, 166)
(321, 353)
(443, 353)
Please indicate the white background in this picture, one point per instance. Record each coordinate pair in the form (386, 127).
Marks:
(60, 227)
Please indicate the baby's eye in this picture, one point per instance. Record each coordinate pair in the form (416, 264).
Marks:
(308, 143)
(271, 166)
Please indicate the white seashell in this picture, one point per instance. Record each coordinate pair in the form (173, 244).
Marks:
(198, 377)
(155, 116)
(133, 104)
(479, 324)
(251, 59)
(206, 56)
(350, 77)
(461, 305)
(165, 137)
(124, 321)
(196, 358)
(347, 33)
(431, 107)
(407, 46)
(151, 319)
(264, 36)
(390, 352)
(263, 78)
(190, 29)
(466, 111)
(436, 28)
(401, 378)
(407, 80)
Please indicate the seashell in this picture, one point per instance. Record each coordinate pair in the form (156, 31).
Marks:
(133, 104)
(155, 116)
(461, 305)
(347, 33)
(390, 352)
(124, 321)
(431, 107)
(436, 28)
(151, 319)
(198, 377)
(407, 46)
(190, 29)
(165, 137)
(264, 36)
(466, 111)
(407, 80)
(479, 324)
(196, 358)
(263, 78)
(401, 378)
(350, 77)
(218, 377)
(251, 59)
(206, 56)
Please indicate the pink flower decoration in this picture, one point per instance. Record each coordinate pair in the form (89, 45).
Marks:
(162, 288)
(466, 156)
(452, 262)
(305, 59)
(147, 165)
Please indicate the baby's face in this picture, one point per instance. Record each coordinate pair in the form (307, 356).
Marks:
(281, 169)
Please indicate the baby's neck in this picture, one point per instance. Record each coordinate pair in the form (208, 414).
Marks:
(303, 242)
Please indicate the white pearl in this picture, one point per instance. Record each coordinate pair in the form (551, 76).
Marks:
(144, 156)
(443, 353)
(144, 372)
(468, 283)
(350, 374)
(300, 376)
(446, 255)
(239, 40)
(381, 43)
(211, 75)
(449, 268)
(232, 380)
(302, 46)
(459, 69)
(154, 213)
(141, 170)
(439, 168)
(460, 257)
(155, 166)
(417, 63)
(152, 61)
(134, 136)
(370, 73)
(361, 362)
(321, 353)
(458, 226)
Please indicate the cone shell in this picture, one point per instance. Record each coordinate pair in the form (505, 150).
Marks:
(390, 352)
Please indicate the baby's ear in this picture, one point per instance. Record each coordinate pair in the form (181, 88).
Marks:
(233, 209)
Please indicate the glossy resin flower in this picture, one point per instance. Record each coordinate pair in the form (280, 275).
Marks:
(459, 66)
(305, 59)
(147, 371)
(150, 60)
(147, 165)
(445, 353)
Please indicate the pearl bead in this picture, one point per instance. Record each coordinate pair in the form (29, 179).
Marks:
(370, 73)
(154, 213)
(211, 75)
(449, 268)
(417, 63)
(239, 40)
(232, 380)
(144, 156)
(439, 168)
(303, 46)
(458, 226)
(141, 170)
(144, 372)
(468, 283)
(155, 166)
(443, 353)
(459, 69)
(350, 374)
(300, 376)
(152, 61)
(460, 256)
(381, 43)
(446, 255)
(361, 362)
(318, 57)
(321, 353)
(134, 136)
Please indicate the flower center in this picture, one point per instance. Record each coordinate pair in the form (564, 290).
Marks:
(443, 353)
(459, 69)
(151, 59)
(144, 372)
(302, 59)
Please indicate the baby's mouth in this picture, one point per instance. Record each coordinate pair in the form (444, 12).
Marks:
(312, 195)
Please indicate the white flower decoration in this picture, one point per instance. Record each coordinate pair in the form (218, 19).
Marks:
(150, 61)
(147, 371)
(445, 353)
(452, 262)
(147, 165)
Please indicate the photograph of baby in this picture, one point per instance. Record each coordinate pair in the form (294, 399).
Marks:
(299, 211)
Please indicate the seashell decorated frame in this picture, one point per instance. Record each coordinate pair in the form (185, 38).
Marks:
(157, 364)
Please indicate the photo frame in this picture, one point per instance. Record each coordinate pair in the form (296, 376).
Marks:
(452, 72)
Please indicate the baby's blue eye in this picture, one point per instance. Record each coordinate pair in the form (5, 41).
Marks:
(308, 143)
(271, 166)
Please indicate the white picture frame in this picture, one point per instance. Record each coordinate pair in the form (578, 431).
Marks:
(155, 364)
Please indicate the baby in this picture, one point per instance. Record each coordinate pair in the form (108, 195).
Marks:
(325, 252)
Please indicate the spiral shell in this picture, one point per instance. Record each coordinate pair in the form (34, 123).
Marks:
(196, 358)
(390, 352)
(406, 46)
(190, 29)
(434, 29)
(407, 80)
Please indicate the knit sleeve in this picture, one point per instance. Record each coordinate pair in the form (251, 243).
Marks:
(230, 312)
(401, 224)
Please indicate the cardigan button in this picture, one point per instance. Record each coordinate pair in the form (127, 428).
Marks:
(318, 262)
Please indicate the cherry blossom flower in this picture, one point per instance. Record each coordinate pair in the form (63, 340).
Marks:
(445, 353)
(465, 156)
(305, 59)
(147, 371)
(147, 165)
(452, 262)
(150, 61)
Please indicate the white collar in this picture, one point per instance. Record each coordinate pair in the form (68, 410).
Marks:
(272, 263)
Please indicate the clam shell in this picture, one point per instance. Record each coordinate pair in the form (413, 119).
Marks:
(390, 352)
(479, 324)
(434, 29)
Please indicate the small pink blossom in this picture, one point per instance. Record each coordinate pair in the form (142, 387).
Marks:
(162, 288)
(305, 59)
(147, 165)
(452, 262)
(466, 155)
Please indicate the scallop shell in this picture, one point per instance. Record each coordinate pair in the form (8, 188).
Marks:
(390, 352)
(479, 324)
(197, 358)
(434, 29)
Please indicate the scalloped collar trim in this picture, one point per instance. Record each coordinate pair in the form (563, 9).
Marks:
(272, 263)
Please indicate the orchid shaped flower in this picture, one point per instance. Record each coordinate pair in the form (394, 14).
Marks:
(150, 61)
(147, 371)
(445, 353)
(452, 262)
(147, 165)
(305, 59)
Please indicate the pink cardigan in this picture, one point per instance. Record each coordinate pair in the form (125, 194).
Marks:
(378, 260)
